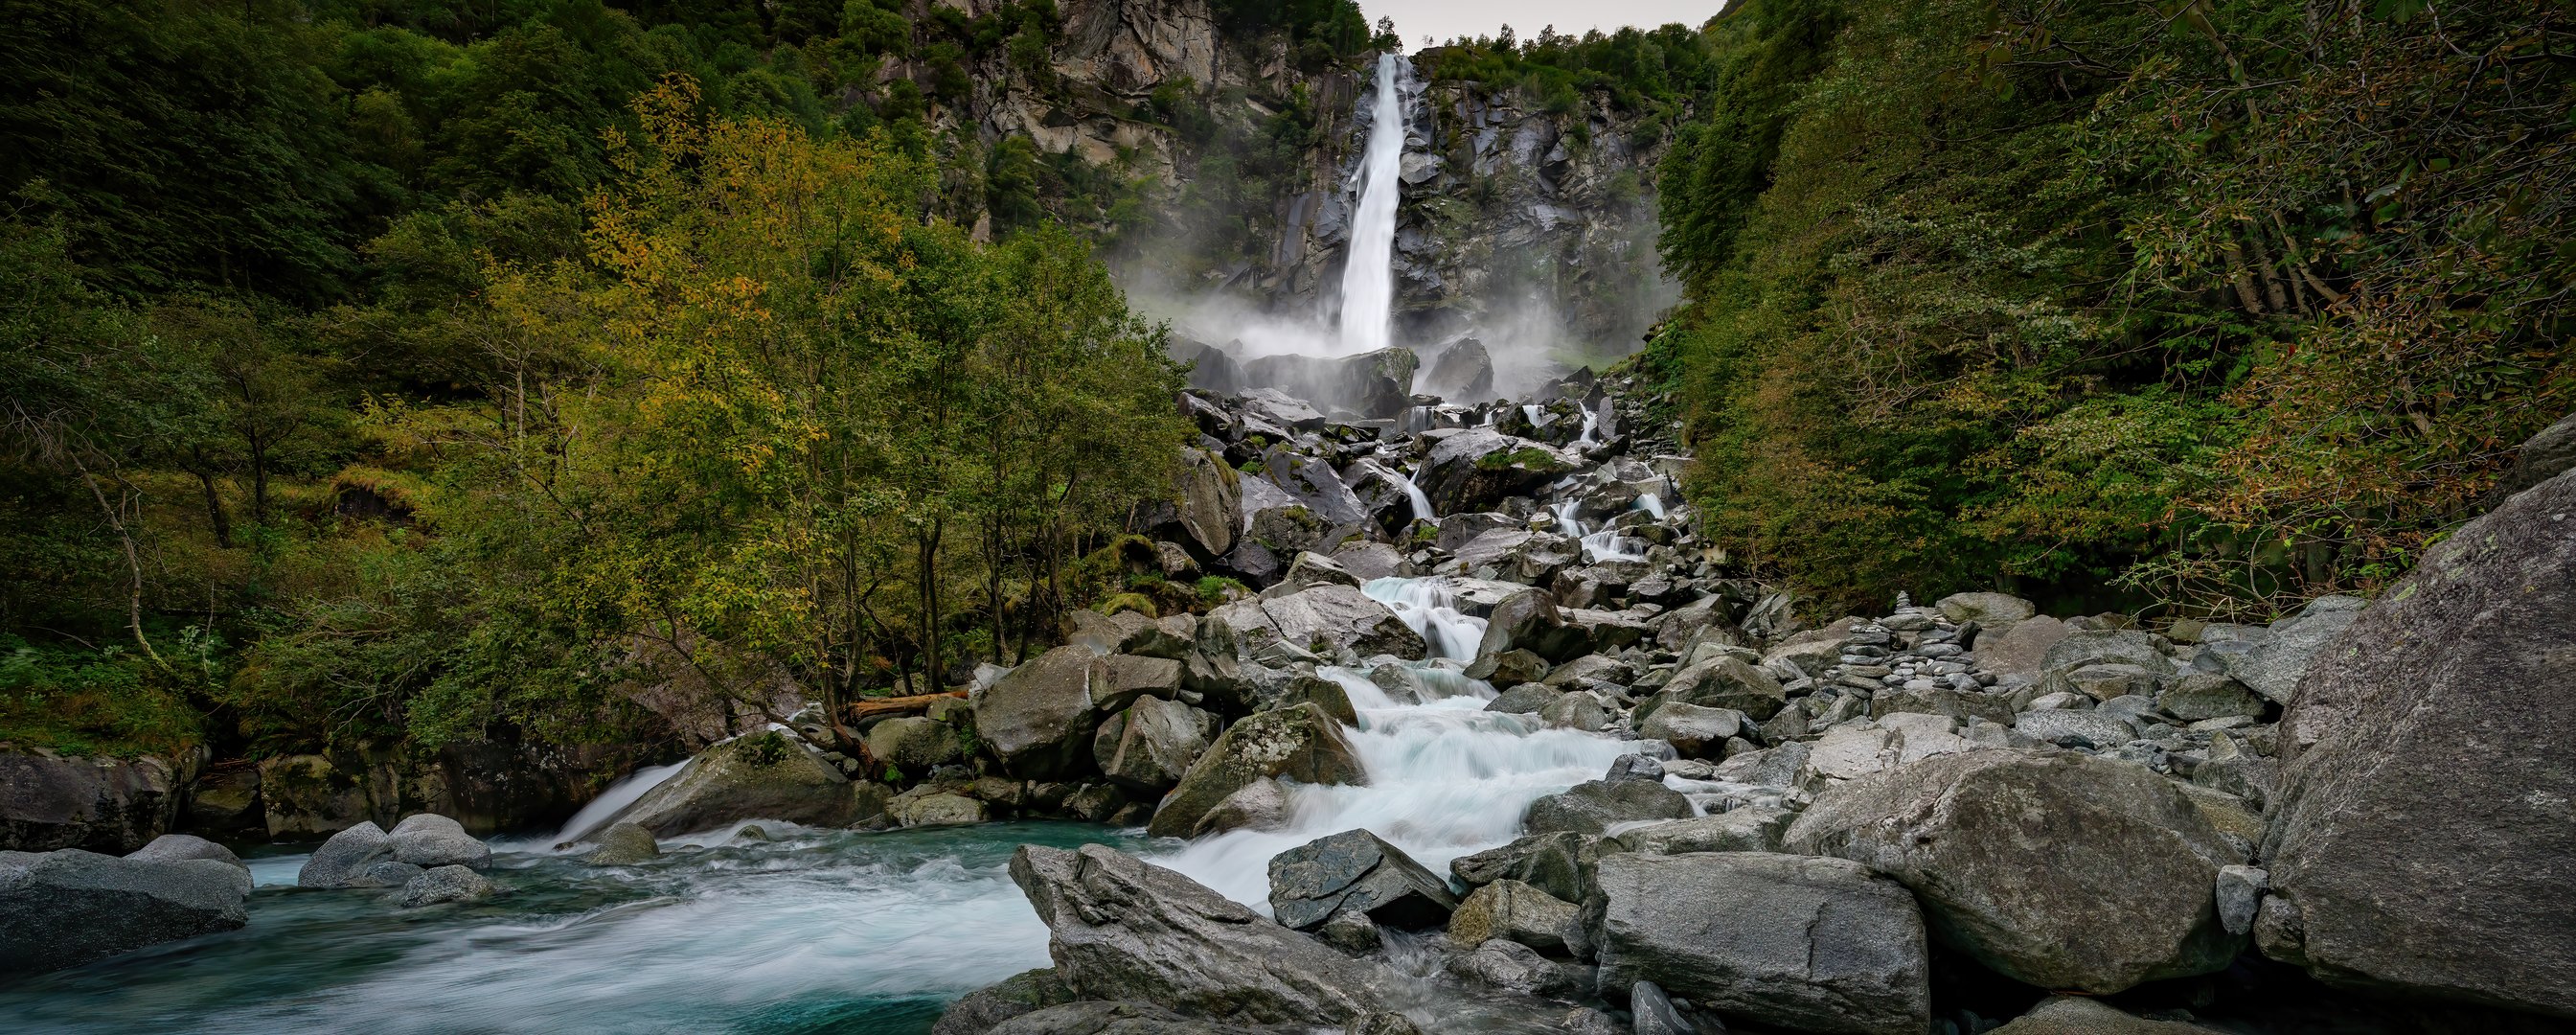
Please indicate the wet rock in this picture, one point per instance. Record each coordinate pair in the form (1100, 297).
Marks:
(2423, 829)
(1152, 743)
(1328, 621)
(980, 1010)
(440, 884)
(50, 801)
(1592, 806)
(914, 744)
(1260, 805)
(1529, 621)
(1636, 767)
(1514, 911)
(764, 775)
(1654, 1013)
(1474, 469)
(385, 873)
(1515, 967)
(1736, 830)
(1559, 864)
(1121, 928)
(1463, 372)
(1355, 870)
(929, 806)
(345, 857)
(622, 844)
(1038, 719)
(174, 847)
(1806, 944)
(2076, 1015)
(1299, 743)
(1351, 931)
(65, 908)
(431, 840)
(1576, 710)
(2057, 869)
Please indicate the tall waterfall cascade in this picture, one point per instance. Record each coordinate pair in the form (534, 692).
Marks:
(1368, 276)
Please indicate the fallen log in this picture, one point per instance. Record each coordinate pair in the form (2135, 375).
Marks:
(875, 709)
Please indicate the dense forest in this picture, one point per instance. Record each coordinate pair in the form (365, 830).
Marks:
(427, 370)
(2206, 306)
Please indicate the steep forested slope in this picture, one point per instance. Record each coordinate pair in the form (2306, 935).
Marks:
(2210, 304)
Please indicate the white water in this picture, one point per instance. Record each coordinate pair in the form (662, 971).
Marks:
(1421, 503)
(1428, 607)
(610, 802)
(1592, 428)
(1604, 545)
(1368, 274)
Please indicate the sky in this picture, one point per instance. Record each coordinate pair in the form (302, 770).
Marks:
(1443, 19)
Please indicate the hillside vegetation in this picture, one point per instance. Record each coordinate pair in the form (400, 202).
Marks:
(2208, 306)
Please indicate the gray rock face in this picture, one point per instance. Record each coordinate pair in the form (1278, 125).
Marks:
(2057, 869)
(980, 1010)
(2541, 458)
(1807, 944)
(66, 908)
(1592, 806)
(429, 840)
(913, 743)
(1327, 621)
(2020, 650)
(1991, 610)
(2076, 1015)
(49, 801)
(757, 776)
(2422, 829)
(1694, 731)
(1356, 871)
(1511, 910)
(1515, 967)
(622, 844)
(1529, 620)
(1735, 830)
(1299, 743)
(1105, 1018)
(2273, 667)
(1474, 469)
(173, 847)
(2088, 730)
(440, 884)
(1039, 718)
(1124, 929)
(1559, 864)
(1151, 744)
(1463, 373)
(345, 857)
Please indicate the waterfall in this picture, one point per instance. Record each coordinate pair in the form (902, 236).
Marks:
(1592, 428)
(1428, 607)
(1421, 502)
(1368, 274)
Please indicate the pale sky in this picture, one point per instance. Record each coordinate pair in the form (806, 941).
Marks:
(1443, 19)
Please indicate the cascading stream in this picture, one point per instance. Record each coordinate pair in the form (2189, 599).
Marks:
(1368, 273)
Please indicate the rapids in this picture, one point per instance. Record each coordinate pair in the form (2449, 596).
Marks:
(815, 931)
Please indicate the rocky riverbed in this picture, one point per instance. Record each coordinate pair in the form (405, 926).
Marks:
(1480, 736)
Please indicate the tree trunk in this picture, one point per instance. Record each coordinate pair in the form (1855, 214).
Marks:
(216, 516)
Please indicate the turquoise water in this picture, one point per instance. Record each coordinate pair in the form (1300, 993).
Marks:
(819, 931)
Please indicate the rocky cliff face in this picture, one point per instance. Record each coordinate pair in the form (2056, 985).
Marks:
(1515, 220)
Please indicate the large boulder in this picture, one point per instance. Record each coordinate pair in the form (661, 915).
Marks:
(1988, 610)
(1475, 469)
(429, 839)
(914, 743)
(2076, 1015)
(1516, 555)
(1123, 929)
(1358, 871)
(1300, 743)
(342, 860)
(65, 908)
(1369, 385)
(2273, 666)
(2057, 869)
(1529, 620)
(2018, 652)
(765, 775)
(1461, 373)
(1806, 944)
(1314, 484)
(1725, 682)
(1514, 911)
(174, 847)
(1038, 718)
(1558, 863)
(442, 884)
(1023, 993)
(50, 801)
(2422, 835)
(1328, 621)
(1210, 501)
(306, 795)
(1593, 806)
(1151, 744)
